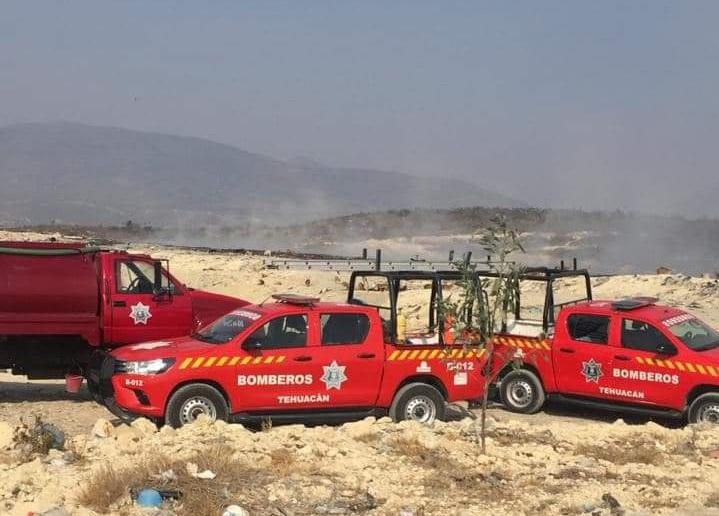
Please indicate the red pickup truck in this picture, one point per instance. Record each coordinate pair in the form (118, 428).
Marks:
(61, 301)
(630, 356)
(296, 359)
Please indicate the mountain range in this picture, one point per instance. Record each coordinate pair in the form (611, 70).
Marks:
(76, 173)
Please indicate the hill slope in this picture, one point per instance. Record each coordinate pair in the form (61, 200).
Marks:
(87, 174)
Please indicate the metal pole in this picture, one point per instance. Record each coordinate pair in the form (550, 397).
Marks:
(364, 253)
(574, 263)
(451, 256)
(378, 260)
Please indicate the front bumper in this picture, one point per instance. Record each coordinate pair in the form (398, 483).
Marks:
(99, 382)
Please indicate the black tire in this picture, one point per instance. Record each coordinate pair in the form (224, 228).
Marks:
(521, 391)
(704, 409)
(419, 402)
(189, 401)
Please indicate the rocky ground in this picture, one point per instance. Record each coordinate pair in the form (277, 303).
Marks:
(562, 461)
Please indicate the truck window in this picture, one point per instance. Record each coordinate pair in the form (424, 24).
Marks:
(643, 336)
(588, 328)
(289, 331)
(136, 277)
(338, 329)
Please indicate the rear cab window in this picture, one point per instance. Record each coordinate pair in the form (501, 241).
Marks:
(343, 328)
(287, 331)
(593, 329)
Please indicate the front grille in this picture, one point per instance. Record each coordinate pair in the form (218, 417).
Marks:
(120, 367)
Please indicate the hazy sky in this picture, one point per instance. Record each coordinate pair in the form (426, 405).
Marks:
(574, 103)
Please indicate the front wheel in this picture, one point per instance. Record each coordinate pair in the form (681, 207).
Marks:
(191, 401)
(705, 409)
(418, 402)
(521, 391)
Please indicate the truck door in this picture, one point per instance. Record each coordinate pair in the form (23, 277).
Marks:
(137, 314)
(645, 366)
(277, 369)
(582, 355)
(351, 357)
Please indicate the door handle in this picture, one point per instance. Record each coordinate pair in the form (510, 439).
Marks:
(365, 355)
(119, 304)
(566, 350)
(621, 357)
(302, 358)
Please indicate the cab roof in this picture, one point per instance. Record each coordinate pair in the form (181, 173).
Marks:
(641, 307)
(278, 307)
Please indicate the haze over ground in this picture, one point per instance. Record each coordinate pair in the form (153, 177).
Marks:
(567, 104)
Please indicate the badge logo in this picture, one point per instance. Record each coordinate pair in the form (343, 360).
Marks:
(140, 313)
(592, 371)
(333, 376)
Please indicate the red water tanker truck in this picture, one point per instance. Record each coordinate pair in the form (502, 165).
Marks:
(59, 302)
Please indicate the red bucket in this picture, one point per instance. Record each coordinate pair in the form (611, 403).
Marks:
(73, 382)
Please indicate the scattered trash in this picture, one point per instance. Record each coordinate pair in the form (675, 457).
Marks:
(193, 471)
(39, 438)
(55, 511)
(149, 498)
(235, 510)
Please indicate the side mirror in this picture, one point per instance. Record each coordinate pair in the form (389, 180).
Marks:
(665, 348)
(251, 343)
(157, 280)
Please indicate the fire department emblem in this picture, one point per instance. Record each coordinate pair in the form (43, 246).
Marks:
(592, 371)
(333, 376)
(140, 313)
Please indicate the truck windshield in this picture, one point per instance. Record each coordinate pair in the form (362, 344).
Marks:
(227, 327)
(693, 332)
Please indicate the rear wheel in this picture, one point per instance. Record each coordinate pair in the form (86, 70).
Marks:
(705, 409)
(521, 391)
(418, 402)
(191, 401)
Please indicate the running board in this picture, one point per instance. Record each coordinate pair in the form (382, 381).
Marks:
(617, 407)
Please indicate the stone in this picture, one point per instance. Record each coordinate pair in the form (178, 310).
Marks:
(103, 428)
(144, 426)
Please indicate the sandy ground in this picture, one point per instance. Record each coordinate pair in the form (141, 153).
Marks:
(569, 478)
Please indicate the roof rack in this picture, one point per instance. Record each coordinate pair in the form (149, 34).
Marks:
(633, 303)
(295, 299)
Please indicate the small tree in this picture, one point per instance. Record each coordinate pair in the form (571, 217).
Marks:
(481, 310)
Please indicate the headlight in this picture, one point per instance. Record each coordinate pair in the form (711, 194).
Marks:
(156, 366)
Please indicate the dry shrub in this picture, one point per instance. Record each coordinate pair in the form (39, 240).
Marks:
(640, 452)
(31, 440)
(712, 501)
(198, 497)
(282, 461)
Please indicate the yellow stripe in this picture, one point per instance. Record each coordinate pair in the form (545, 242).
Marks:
(221, 361)
(690, 367)
(640, 360)
(649, 361)
(414, 354)
(394, 354)
(659, 362)
(234, 360)
(185, 363)
(701, 369)
(481, 352)
(269, 359)
(711, 370)
(210, 361)
(434, 353)
(424, 354)
(403, 355)
(669, 364)
(680, 366)
(280, 359)
(246, 360)
(257, 360)
(198, 362)
(456, 353)
(546, 346)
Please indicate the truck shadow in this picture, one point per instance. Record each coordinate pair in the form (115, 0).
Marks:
(16, 392)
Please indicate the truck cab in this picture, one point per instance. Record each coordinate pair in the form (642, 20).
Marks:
(631, 355)
(59, 302)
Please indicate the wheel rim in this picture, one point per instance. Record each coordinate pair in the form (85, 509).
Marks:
(520, 393)
(421, 409)
(196, 406)
(709, 413)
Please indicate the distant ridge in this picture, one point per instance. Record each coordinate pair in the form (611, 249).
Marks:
(76, 173)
